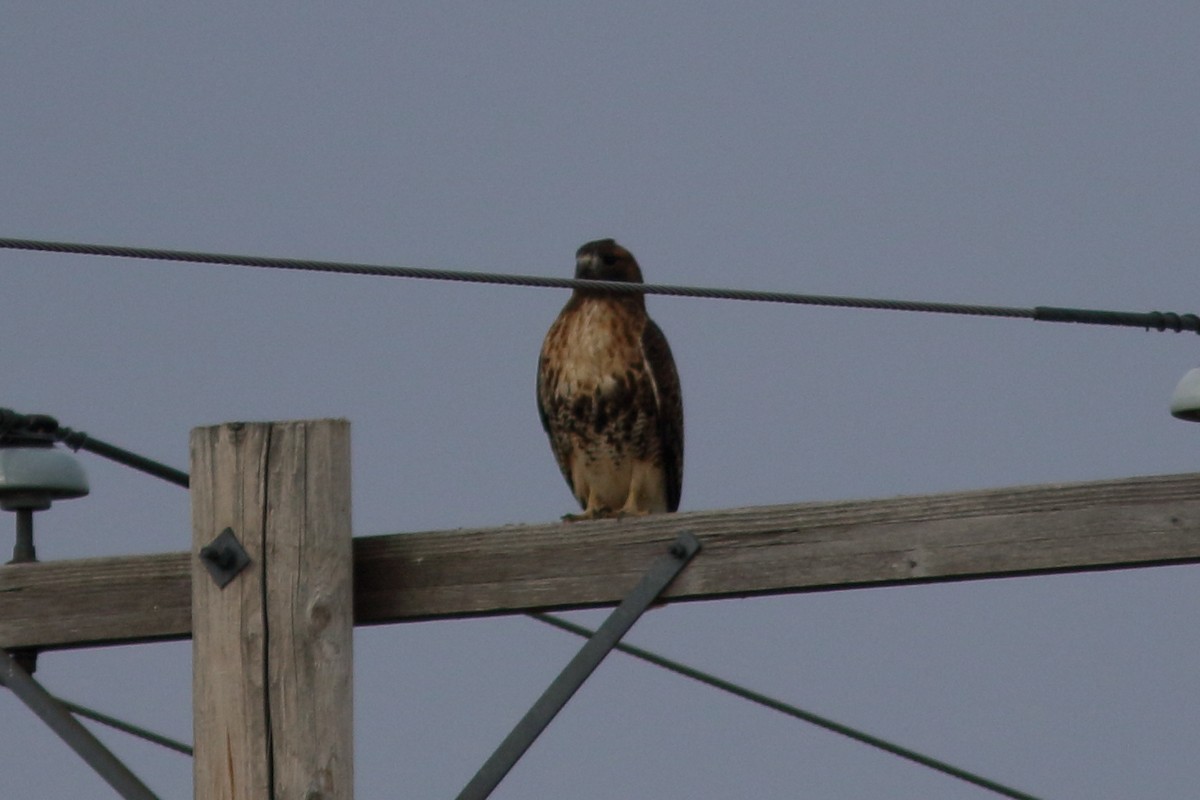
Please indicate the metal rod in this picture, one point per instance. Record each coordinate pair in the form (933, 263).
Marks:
(71, 731)
(656, 579)
(24, 553)
(23, 550)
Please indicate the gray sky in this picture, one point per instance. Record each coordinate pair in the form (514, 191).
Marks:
(1015, 154)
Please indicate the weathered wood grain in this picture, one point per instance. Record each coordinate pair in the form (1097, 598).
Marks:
(96, 601)
(272, 651)
(765, 550)
(778, 549)
(230, 712)
(310, 602)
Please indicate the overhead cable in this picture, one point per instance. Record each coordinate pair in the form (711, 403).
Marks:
(1153, 320)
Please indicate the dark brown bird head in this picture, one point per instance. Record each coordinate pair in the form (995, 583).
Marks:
(605, 260)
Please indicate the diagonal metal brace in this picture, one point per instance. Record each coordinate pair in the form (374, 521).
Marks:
(80, 739)
(606, 637)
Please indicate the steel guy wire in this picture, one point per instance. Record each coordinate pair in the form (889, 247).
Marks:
(126, 727)
(792, 711)
(1153, 320)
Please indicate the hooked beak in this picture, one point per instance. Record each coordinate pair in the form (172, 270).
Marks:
(587, 267)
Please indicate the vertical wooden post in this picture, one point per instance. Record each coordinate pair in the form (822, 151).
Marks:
(272, 652)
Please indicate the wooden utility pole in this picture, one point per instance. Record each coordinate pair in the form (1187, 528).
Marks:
(272, 664)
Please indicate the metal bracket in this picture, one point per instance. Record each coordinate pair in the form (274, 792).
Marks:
(224, 557)
(606, 637)
(79, 738)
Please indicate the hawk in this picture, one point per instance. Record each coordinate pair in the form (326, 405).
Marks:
(608, 395)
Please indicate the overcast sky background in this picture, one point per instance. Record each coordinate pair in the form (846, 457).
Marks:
(1018, 153)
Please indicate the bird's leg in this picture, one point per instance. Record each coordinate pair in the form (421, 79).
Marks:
(593, 512)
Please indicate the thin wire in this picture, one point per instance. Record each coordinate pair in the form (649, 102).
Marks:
(793, 711)
(126, 727)
(78, 440)
(1153, 320)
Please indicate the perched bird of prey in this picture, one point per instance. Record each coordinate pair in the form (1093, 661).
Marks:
(608, 395)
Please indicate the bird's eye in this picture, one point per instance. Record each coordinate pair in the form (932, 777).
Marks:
(609, 259)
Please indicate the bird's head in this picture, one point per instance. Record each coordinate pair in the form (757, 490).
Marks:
(605, 260)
